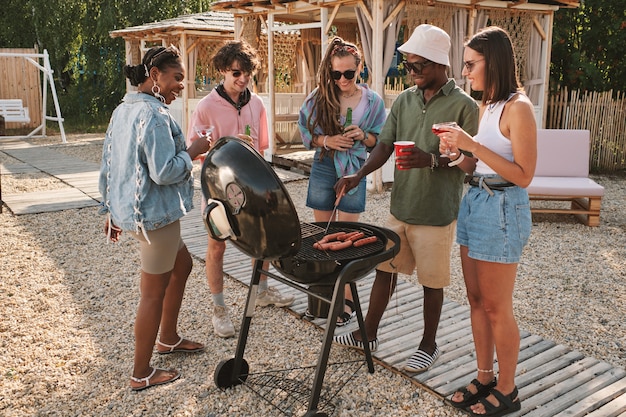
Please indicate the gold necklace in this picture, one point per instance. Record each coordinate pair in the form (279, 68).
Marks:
(356, 90)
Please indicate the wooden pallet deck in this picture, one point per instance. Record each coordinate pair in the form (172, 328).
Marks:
(553, 379)
(80, 176)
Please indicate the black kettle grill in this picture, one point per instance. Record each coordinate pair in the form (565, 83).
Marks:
(248, 204)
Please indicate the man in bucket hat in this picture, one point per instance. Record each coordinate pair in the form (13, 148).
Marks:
(427, 187)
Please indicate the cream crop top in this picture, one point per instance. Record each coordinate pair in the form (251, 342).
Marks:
(490, 136)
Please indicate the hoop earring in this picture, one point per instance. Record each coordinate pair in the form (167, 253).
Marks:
(156, 91)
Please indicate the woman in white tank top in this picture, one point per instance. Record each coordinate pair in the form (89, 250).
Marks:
(494, 219)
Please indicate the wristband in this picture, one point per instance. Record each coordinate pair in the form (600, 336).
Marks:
(434, 162)
(326, 147)
(457, 160)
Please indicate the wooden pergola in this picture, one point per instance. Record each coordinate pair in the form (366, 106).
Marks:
(377, 16)
(197, 36)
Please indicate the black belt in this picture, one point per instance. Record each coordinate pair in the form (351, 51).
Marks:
(489, 183)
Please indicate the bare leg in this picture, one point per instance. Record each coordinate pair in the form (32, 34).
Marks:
(483, 339)
(173, 300)
(152, 289)
(496, 282)
(214, 265)
(433, 302)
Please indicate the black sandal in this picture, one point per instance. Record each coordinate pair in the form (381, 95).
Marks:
(508, 404)
(470, 398)
(345, 318)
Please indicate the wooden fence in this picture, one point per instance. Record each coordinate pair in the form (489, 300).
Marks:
(21, 79)
(603, 114)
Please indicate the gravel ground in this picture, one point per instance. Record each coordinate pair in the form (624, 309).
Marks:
(68, 304)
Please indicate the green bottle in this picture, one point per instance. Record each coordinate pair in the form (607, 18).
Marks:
(348, 117)
(248, 130)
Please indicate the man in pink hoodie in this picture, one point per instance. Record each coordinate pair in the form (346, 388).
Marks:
(233, 110)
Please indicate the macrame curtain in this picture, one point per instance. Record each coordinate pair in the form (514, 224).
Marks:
(447, 17)
(312, 55)
(286, 50)
(518, 25)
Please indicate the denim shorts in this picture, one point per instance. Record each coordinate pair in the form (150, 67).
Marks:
(494, 228)
(321, 194)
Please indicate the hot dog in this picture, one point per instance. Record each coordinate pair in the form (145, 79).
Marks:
(333, 237)
(365, 241)
(356, 236)
(322, 245)
(340, 245)
(347, 235)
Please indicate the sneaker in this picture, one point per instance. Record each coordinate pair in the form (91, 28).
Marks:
(348, 340)
(421, 361)
(273, 296)
(222, 326)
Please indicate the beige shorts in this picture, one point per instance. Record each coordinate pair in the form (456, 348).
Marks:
(422, 248)
(159, 256)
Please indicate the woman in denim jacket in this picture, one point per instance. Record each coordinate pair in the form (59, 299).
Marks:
(146, 187)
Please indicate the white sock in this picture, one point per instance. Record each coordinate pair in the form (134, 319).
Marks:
(218, 299)
(263, 285)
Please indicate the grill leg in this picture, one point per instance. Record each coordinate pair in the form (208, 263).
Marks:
(322, 361)
(337, 306)
(247, 318)
(361, 321)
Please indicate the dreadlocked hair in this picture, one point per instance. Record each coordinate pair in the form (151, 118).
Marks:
(326, 99)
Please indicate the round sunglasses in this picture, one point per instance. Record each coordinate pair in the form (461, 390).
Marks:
(348, 75)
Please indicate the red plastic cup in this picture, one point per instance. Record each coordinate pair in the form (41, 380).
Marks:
(399, 145)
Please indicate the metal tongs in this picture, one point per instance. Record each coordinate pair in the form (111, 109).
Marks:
(332, 215)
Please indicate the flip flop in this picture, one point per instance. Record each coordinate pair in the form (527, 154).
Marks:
(175, 348)
(146, 380)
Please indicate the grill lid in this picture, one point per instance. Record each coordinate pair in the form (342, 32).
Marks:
(263, 220)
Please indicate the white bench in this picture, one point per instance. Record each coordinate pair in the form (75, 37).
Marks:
(13, 111)
(562, 174)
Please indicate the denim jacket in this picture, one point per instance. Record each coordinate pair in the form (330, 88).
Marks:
(145, 175)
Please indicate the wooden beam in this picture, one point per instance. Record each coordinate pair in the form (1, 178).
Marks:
(394, 13)
(331, 18)
(514, 4)
(539, 29)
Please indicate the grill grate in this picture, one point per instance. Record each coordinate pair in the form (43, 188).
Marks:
(308, 230)
(308, 253)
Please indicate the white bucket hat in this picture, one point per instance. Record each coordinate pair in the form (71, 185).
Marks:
(429, 42)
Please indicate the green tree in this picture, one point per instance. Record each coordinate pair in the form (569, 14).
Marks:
(588, 46)
(87, 62)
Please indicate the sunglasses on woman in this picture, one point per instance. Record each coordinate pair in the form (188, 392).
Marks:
(348, 75)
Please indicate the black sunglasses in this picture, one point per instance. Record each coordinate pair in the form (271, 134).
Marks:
(416, 66)
(238, 73)
(347, 74)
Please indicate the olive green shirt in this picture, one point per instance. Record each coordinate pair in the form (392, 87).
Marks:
(422, 196)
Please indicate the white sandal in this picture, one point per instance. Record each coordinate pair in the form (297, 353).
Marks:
(146, 379)
(173, 348)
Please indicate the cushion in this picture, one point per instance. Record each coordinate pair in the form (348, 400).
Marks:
(565, 186)
(562, 153)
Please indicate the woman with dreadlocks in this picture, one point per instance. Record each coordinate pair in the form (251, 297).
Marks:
(341, 120)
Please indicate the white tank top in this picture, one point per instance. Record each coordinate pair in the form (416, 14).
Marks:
(490, 136)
